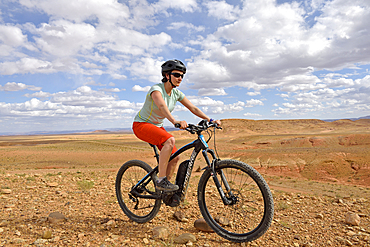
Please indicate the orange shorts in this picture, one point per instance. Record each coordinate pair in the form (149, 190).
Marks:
(152, 134)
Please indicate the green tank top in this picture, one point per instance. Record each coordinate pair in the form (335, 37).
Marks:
(150, 113)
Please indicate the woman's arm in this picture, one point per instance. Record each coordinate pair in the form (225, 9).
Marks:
(196, 111)
(161, 104)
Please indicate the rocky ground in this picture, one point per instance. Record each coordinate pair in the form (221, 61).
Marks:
(78, 208)
(59, 190)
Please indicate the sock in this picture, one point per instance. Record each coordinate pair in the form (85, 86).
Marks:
(160, 179)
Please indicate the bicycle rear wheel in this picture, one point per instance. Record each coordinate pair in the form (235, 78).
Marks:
(249, 215)
(138, 209)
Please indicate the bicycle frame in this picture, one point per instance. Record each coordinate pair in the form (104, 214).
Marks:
(199, 144)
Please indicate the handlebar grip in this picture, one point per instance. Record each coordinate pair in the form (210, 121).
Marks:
(177, 125)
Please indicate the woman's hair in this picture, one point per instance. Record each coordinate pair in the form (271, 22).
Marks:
(164, 79)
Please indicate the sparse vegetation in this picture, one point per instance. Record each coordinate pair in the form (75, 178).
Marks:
(282, 206)
(85, 185)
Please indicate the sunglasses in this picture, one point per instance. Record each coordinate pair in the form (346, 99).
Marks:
(177, 75)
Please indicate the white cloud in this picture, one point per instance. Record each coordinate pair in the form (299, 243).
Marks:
(253, 103)
(211, 91)
(205, 101)
(80, 38)
(222, 10)
(147, 68)
(40, 94)
(26, 65)
(82, 102)
(113, 90)
(253, 115)
(183, 5)
(106, 11)
(329, 100)
(313, 54)
(235, 107)
(253, 93)
(138, 88)
(13, 86)
(211, 106)
(189, 26)
(270, 46)
(12, 36)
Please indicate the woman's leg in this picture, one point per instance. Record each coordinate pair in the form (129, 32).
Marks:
(166, 143)
(164, 156)
(166, 168)
(171, 167)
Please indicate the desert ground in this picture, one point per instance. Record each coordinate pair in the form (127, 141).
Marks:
(318, 172)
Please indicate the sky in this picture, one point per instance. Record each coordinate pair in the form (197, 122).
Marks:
(87, 64)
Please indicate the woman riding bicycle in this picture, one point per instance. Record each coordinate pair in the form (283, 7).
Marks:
(148, 123)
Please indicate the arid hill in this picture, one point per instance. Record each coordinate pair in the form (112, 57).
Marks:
(336, 151)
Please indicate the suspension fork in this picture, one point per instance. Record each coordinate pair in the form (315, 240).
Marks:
(211, 166)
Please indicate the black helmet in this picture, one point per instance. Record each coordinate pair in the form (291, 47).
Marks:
(173, 65)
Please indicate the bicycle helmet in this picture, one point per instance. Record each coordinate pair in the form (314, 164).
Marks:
(173, 65)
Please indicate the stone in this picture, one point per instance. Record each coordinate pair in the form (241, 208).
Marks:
(46, 234)
(111, 223)
(352, 219)
(160, 232)
(185, 238)
(115, 236)
(55, 239)
(347, 242)
(6, 191)
(222, 220)
(52, 184)
(338, 200)
(361, 200)
(17, 241)
(319, 216)
(56, 217)
(201, 225)
(40, 241)
(350, 233)
(180, 216)
(146, 241)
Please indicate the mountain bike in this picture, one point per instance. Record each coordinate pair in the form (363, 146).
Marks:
(233, 197)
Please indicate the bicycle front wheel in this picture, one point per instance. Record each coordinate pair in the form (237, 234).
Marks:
(251, 208)
(138, 209)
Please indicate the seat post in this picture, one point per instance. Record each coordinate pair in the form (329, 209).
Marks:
(155, 151)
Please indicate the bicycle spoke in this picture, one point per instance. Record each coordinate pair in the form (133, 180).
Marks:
(135, 207)
(244, 216)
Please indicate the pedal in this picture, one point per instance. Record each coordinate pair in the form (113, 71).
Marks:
(171, 199)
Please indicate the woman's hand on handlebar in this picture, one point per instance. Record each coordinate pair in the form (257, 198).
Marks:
(218, 122)
(181, 124)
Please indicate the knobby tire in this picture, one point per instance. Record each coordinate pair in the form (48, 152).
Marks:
(138, 209)
(251, 214)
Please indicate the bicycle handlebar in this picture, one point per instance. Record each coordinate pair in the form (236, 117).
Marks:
(202, 125)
